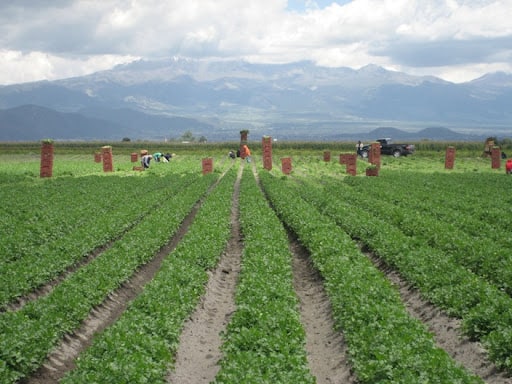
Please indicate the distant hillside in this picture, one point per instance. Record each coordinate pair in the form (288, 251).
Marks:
(32, 123)
(431, 133)
(441, 133)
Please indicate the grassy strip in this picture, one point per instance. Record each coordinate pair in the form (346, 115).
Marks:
(486, 311)
(102, 219)
(139, 347)
(423, 221)
(264, 341)
(475, 203)
(28, 335)
(385, 344)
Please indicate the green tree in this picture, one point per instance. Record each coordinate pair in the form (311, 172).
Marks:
(188, 136)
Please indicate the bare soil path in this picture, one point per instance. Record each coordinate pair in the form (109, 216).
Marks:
(326, 350)
(200, 341)
(446, 330)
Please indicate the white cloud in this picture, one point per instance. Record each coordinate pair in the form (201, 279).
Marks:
(456, 39)
(19, 67)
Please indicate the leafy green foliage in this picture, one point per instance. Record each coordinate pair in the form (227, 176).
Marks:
(29, 334)
(386, 345)
(447, 233)
(428, 232)
(140, 346)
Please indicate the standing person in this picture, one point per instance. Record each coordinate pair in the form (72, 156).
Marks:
(247, 152)
(359, 147)
(145, 160)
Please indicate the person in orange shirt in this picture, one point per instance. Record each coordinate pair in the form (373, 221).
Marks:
(247, 152)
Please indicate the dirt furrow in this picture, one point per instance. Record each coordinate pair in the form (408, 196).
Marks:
(446, 330)
(200, 341)
(326, 350)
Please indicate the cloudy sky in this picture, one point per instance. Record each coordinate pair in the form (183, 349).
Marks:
(457, 40)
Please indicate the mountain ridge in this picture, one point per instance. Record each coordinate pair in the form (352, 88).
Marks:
(290, 101)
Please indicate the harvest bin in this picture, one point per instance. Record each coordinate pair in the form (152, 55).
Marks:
(46, 166)
(372, 171)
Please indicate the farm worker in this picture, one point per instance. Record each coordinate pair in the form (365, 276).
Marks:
(167, 156)
(231, 154)
(359, 147)
(157, 156)
(145, 160)
(247, 152)
(508, 166)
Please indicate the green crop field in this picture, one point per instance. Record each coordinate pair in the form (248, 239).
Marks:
(71, 243)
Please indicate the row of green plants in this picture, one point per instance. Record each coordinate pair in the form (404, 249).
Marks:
(37, 209)
(385, 344)
(264, 340)
(26, 167)
(427, 164)
(485, 309)
(29, 334)
(29, 199)
(436, 215)
(482, 197)
(68, 219)
(140, 347)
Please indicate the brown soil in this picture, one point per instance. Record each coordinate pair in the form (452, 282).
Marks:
(446, 330)
(327, 353)
(199, 351)
(200, 342)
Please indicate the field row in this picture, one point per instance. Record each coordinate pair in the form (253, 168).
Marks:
(141, 345)
(29, 334)
(385, 344)
(451, 258)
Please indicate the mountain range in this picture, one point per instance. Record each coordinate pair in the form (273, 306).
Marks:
(156, 100)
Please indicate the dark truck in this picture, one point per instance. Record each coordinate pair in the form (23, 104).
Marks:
(388, 148)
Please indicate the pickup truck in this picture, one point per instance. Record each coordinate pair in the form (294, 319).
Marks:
(388, 148)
